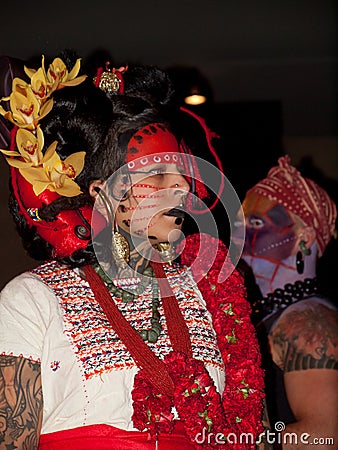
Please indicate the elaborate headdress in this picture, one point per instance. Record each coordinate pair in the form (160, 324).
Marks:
(155, 143)
(40, 176)
(303, 197)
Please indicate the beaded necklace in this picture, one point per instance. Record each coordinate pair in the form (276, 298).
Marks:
(282, 298)
(178, 380)
(148, 335)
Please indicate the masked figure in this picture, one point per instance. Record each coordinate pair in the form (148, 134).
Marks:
(289, 222)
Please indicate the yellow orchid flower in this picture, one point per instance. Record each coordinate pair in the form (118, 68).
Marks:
(28, 105)
(40, 85)
(30, 72)
(58, 74)
(18, 85)
(19, 88)
(25, 110)
(57, 71)
(56, 175)
(29, 149)
(25, 107)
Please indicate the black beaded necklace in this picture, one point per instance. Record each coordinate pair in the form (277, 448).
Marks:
(148, 335)
(282, 298)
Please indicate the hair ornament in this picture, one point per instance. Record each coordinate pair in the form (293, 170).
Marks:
(34, 214)
(110, 80)
(28, 104)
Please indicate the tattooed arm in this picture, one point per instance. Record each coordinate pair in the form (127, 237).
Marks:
(20, 403)
(304, 344)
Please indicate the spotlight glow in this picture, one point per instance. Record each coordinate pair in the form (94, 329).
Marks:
(195, 99)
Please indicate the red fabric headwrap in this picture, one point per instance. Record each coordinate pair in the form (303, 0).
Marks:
(302, 196)
(154, 143)
(69, 232)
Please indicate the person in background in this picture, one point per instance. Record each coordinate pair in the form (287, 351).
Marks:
(110, 343)
(289, 222)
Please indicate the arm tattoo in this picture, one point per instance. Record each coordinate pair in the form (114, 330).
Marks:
(20, 403)
(306, 338)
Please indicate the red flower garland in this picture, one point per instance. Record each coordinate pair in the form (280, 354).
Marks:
(196, 400)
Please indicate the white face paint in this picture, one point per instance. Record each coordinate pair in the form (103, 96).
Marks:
(148, 209)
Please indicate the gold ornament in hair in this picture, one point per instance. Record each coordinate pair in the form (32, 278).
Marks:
(110, 80)
(29, 103)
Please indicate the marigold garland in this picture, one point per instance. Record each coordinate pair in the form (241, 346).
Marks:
(195, 397)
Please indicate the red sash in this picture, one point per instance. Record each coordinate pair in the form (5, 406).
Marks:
(105, 437)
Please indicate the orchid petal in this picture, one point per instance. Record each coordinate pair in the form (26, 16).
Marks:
(10, 152)
(49, 152)
(34, 174)
(39, 84)
(74, 82)
(18, 163)
(53, 160)
(37, 177)
(19, 85)
(75, 70)
(40, 186)
(57, 71)
(69, 188)
(76, 160)
(29, 72)
(46, 108)
(40, 137)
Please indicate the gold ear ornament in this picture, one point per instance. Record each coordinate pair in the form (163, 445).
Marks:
(120, 245)
(166, 251)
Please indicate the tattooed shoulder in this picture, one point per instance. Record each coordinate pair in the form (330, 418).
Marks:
(20, 403)
(306, 337)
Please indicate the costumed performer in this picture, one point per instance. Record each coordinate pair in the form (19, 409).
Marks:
(289, 222)
(109, 343)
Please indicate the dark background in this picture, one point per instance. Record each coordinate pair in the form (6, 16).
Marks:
(271, 67)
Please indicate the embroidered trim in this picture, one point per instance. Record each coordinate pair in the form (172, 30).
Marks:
(97, 346)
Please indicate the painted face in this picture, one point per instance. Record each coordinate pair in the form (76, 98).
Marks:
(152, 207)
(270, 229)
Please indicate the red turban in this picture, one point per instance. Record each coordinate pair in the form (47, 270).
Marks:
(302, 196)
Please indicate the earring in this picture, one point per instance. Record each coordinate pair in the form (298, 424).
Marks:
(299, 262)
(306, 251)
(120, 245)
(166, 251)
(303, 250)
(183, 200)
(120, 249)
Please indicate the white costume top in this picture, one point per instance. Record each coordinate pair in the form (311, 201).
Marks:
(50, 315)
